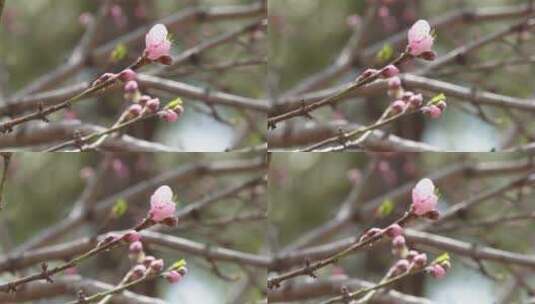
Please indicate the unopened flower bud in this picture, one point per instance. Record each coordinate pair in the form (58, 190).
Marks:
(398, 241)
(437, 271)
(432, 111)
(367, 73)
(135, 110)
(420, 260)
(132, 236)
(127, 75)
(401, 266)
(173, 276)
(138, 271)
(394, 83)
(370, 233)
(131, 86)
(153, 105)
(416, 100)
(390, 71)
(136, 247)
(398, 106)
(156, 265)
(147, 260)
(394, 230)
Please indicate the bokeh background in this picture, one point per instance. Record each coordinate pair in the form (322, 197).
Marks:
(306, 36)
(42, 189)
(37, 36)
(306, 191)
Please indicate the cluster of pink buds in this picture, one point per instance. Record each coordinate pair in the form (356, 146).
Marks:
(162, 210)
(405, 100)
(142, 104)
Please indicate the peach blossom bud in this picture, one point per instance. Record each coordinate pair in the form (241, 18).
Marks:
(420, 38)
(153, 105)
(136, 247)
(416, 100)
(157, 265)
(173, 276)
(369, 72)
(168, 115)
(135, 110)
(394, 83)
(401, 266)
(432, 111)
(148, 260)
(138, 271)
(132, 236)
(394, 230)
(127, 75)
(390, 71)
(398, 106)
(420, 260)
(131, 86)
(398, 241)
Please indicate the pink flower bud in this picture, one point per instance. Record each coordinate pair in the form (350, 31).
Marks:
(399, 106)
(173, 276)
(420, 260)
(401, 266)
(370, 233)
(437, 271)
(424, 198)
(394, 230)
(144, 99)
(390, 71)
(416, 100)
(398, 241)
(157, 265)
(153, 105)
(432, 111)
(135, 110)
(131, 86)
(367, 73)
(168, 115)
(394, 83)
(105, 77)
(161, 204)
(132, 236)
(420, 38)
(147, 260)
(127, 75)
(442, 105)
(136, 247)
(412, 254)
(138, 271)
(407, 96)
(157, 44)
